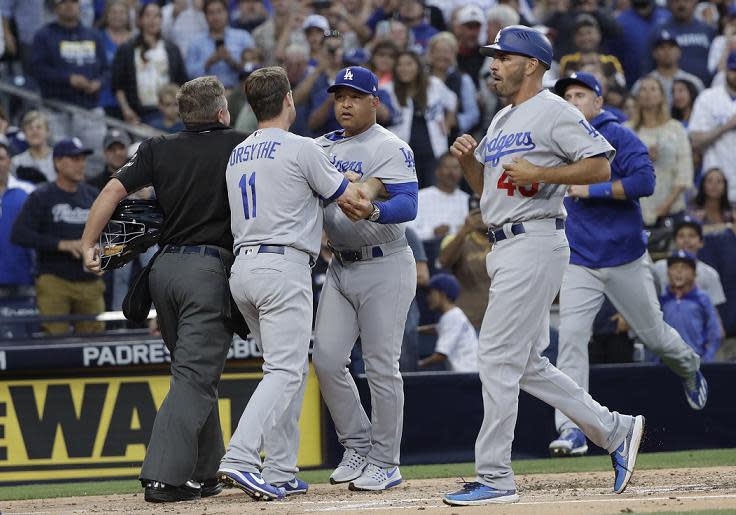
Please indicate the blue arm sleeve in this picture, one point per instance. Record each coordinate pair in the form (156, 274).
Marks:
(401, 205)
(634, 167)
(712, 331)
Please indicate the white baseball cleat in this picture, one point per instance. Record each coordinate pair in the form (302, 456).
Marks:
(351, 467)
(377, 478)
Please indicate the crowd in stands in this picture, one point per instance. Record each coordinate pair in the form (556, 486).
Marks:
(668, 70)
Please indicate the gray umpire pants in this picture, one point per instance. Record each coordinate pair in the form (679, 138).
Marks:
(526, 272)
(274, 294)
(191, 296)
(369, 299)
(630, 287)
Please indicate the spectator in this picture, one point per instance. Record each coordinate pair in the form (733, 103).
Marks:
(711, 205)
(442, 60)
(167, 118)
(350, 18)
(688, 235)
(667, 53)
(693, 36)
(241, 113)
(35, 126)
(383, 60)
(249, 15)
(500, 16)
(457, 341)
(396, 32)
(426, 110)
(466, 29)
(217, 51)
(280, 30)
(315, 27)
(312, 91)
(633, 45)
(410, 345)
(69, 62)
(684, 93)
(11, 134)
(688, 310)
(669, 150)
(296, 64)
(16, 277)
(464, 253)
(180, 20)
(143, 65)
(116, 30)
(723, 44)
(718, 251)
(587, 42)
(442, 208)
(712, 126)
(26, 16)
(413, 14)
(51, 222)
(563, 24)
(115, 147)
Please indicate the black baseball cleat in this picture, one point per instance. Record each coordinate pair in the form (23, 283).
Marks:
(211, 487)
(156, 491)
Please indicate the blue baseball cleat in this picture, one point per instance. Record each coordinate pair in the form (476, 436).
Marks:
(477, 493)
(696, 391)
(571, 442)
(624, 458)
(295, 486)
(252, 483)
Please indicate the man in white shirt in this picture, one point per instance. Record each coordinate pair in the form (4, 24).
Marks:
(713, 126)
(442, 208)
(457, 341)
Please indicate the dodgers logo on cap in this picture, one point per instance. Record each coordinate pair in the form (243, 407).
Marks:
(357, 78)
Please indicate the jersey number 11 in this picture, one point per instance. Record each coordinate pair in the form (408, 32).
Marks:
(246, 184)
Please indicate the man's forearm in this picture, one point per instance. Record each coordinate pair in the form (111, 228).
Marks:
(590, 170)
(702, 140)
(102, 210)
(474, 175)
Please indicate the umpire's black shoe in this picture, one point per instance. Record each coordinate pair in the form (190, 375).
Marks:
(211, 487)
(157, 491)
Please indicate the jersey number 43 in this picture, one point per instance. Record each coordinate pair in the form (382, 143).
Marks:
(248, 183)
(504, 183)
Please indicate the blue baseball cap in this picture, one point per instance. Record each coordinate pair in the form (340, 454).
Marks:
(355, 57)
(71, 147)
(666, 36)
(681, 256)
(731, 61)
(356, 77)
(584, 79)
(689, 221)
(445, 283)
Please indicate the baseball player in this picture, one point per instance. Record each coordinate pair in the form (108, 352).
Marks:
(534, 146)
(274, 179)
(370, 284)
(609, 257)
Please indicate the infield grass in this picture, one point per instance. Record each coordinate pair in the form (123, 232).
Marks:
(659, 460)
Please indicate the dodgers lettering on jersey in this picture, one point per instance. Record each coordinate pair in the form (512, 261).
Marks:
(546, 131)
(272, 178)
(374, 153)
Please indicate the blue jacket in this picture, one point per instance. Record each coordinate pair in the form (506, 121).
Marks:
(608, 232)
(58, 52)
(633, 46)
(694, 318)
(15, 262)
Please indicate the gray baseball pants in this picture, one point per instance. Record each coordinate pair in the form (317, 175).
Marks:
(274, 293)
(526, 273)
(630, 287)
(368, 298)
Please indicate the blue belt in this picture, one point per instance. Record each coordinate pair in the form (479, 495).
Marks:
(271, 249)
(192, 249)
(496, 235)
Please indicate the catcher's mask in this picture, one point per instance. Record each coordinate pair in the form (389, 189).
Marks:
(133, 228)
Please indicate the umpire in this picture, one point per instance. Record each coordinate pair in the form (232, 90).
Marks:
(188, 283)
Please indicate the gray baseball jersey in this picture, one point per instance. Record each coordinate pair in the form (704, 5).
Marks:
(272, 177)
(547, 131)
(374, 153)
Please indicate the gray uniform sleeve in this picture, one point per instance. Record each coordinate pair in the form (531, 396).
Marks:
(394, 163)
(574, 138)
(321, 175)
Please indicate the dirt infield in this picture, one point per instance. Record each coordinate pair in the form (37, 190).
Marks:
(550, 494)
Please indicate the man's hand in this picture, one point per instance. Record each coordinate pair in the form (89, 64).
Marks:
(441, 230)
(578, 191)
(78, 81)
(73, 247)
(463, 149)
(653, 153)
(352, 176)
(92, 260)
(622, 326)
(93, 87)
(357, 207)
(522, 172)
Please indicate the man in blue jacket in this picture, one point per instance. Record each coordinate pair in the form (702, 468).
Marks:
(608, 258)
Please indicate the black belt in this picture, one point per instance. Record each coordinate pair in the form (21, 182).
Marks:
(496, 235)
(351, 256)
(269, 249)
(192, 249)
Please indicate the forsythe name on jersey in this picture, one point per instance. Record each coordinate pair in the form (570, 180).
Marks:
(262, 150)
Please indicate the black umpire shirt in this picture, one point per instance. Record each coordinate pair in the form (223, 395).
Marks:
(187, 171)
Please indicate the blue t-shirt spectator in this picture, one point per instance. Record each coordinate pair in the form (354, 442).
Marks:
(718, 251)
(633, 46)
(15, 262)
(203, 46)
(694, 38)
(694, 318)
